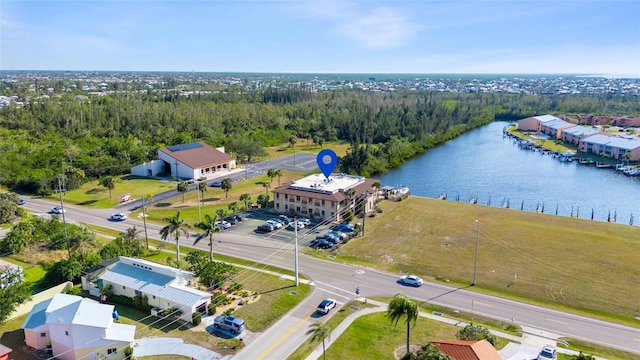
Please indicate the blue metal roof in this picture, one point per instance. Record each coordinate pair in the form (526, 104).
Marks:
(556, 124)
(625, 143)
(580, 130)
(37, 316)
(153, 284)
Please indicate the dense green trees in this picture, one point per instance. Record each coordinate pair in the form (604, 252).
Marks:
(13, 292)
(81, 139)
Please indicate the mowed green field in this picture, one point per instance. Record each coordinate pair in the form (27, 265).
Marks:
(587, 265)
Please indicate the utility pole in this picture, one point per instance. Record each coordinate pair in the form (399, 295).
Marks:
(295, 229)
(144, 220)
(64, 221)
(475, 264)
(198, 191)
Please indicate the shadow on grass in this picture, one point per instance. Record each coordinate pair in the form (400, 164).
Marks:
(211, 199)
(95, 191)
(277, 289)
(162, 204)
(88, 202)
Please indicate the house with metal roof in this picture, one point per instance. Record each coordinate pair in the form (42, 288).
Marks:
(534, 123)
(324, 198)
(163, 286)
(574, 134)
(194, 160)
(615, 146)
(74, 327)
(554, 128)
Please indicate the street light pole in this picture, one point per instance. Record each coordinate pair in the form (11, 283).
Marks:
(295, 229)
(475, 264)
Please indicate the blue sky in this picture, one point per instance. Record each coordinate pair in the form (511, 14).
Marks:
(405, 36)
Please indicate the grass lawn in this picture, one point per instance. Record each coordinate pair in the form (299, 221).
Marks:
(213, 199)
(33, 274)
(273, 152)
(93, 195)
(584, 265)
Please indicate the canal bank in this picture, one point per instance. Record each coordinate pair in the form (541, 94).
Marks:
(488, 168)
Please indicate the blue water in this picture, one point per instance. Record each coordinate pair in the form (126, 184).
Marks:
(483, 164)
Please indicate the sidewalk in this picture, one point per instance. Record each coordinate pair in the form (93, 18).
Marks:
(519, 348)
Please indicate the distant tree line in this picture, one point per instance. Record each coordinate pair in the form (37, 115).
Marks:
(70, 139)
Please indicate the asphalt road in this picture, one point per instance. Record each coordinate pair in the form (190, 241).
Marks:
(339, 281)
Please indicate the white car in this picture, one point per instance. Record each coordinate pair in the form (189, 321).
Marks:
(275, 224)
(547, 353)
(304, 221)
(58, 210)
(326, 305)
(411, 280)
(119, 217)
(291, 226)
(225, 224)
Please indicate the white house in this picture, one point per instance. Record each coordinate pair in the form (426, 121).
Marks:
(165, 287)
(187, 161)
(77, 328)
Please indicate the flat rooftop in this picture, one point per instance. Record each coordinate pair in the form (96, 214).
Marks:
(319, 184)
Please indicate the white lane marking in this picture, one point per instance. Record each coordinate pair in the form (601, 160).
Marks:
(333, 293)
(481, 303)
(558, 321)
(333, 287)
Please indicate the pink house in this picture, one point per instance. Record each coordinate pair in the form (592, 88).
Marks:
(534, 123)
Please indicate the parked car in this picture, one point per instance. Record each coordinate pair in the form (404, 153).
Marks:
(286, 220)
(231, 219)
(118, 217)
(232, 324)
(326, 305)
(339, 234)
(275, 224)
(21, 201)
(58, 210)
(330, 238)
(265, 228)
(305, 221)
(344, 227)
(225, 224)
(548, 352)
(411, 280)
(321, 244)
(216, 184)
(293, 225)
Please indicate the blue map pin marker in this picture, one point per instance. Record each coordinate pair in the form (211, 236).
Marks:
(327, 161)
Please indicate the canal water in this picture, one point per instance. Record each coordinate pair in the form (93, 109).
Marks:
(492, 169)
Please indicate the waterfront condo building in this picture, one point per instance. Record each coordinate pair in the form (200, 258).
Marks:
(325, 198)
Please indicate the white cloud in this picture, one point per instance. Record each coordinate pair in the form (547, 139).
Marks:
(378, 27)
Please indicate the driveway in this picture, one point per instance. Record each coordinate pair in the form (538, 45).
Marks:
(153, 346)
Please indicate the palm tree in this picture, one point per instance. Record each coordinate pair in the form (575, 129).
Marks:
(109, 182)
(271, 173)
(320, 331)
(225, 185)
(349, 193)
(183, 187)
(83, 242)
(246, 198)
(131, 235)
(220, 214)
(208, 227)
(279, 175)
(233, 207)
(175, 227)
(401, 307)
(202, 186)
(376, 185)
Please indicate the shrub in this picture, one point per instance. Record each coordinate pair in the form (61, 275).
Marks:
(122, 300)
(235, 287)
(211, 309)
(128, 352)
(196, 318)
(229, 311)
(73, 290)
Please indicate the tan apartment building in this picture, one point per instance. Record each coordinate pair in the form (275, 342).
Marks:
(320, 198)
(534, 123)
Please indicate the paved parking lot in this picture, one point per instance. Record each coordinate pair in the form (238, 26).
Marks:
(249, 225)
